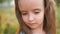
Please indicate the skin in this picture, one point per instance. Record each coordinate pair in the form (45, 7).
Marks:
(33, 14)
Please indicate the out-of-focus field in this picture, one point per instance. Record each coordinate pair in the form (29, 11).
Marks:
(9, 23)
(58, 20)
(8, 20)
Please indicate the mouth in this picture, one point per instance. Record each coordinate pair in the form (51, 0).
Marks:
(32, 23)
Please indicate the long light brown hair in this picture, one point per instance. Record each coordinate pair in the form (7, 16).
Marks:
(49, 18)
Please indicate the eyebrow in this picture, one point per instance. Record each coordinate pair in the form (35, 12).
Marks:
(32, 10)
(23, 11)
(37, 9)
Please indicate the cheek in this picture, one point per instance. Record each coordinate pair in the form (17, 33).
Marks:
(40, 17)
(24, 19)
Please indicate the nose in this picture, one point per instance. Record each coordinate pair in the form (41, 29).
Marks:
(31, 17)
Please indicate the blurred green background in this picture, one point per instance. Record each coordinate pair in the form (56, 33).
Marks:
(8, 21)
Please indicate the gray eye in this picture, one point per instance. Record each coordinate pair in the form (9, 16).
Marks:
(24, 13)
(36, 12)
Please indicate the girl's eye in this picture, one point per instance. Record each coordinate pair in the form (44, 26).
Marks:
(24, 13)
(36, 12)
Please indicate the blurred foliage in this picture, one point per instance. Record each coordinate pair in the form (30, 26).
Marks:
(58, 1)
(8, 21)
(58, 21)
(1, 1)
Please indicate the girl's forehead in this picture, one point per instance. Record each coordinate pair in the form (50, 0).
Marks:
(30, 3)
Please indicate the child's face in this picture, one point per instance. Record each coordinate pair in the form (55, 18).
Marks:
(32, 12)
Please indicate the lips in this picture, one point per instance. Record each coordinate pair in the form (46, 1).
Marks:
(32, 23)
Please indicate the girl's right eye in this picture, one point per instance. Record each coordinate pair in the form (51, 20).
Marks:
(24, 13)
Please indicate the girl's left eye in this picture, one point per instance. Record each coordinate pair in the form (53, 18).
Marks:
(36, 12)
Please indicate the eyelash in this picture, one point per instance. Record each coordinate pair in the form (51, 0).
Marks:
(27, 13)
(24, 13)
(36, 12)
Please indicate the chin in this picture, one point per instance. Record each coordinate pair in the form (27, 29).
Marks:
(33, 27)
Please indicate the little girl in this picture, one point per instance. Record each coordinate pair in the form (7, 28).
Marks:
(35, 16)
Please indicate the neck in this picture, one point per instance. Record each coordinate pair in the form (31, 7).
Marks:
(38, 30)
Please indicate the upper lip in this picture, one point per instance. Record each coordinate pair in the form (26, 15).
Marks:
(32, 23)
